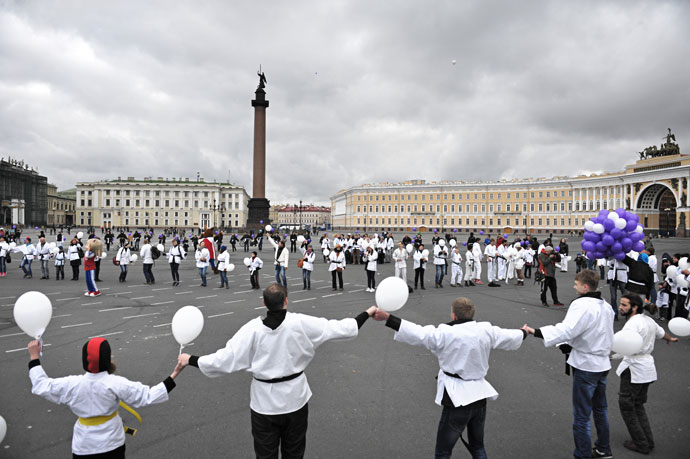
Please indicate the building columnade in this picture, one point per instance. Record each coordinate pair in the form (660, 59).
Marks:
(655, 187)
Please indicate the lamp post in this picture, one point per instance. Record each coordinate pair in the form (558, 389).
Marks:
(300, 214)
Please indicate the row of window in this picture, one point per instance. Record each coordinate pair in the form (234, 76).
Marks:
(509, 207)
(517, 222)
(157, 203)
(157, 193)
(508, 195)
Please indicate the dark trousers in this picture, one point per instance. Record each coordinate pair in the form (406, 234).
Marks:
(293, 246)
(371, 279)
(614, 287)
(98, 270)
(117, 453)
(285, 431)
(528, 270)
(175, 271)
(59, 272)
(680, 307)
(75, 268)
(631, 400)
(419, 277)
(339, 274)
(454, 421)
(148, 273)
(549, 283)
(254, 278)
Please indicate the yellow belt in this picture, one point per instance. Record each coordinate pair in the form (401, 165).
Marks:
(98, 420)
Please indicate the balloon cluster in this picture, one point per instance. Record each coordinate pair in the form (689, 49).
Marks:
(613, 234)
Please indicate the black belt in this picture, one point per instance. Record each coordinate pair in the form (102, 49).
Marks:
(279, 380)
(452, 375)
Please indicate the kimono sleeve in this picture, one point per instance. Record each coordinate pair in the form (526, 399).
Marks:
(235, 356)
(137, 394)
(507, 340)
(319, 330)
(575, 323)
(58, 390)
(427, 336)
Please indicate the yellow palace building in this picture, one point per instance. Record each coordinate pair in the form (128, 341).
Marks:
(655, 187)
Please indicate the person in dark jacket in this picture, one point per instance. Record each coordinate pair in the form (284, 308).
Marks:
(548, 259)
(640, 275)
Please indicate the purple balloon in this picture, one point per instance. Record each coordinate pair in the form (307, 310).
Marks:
(617, 234)
(603, 213)
(505, 236)
(481, 232)
(588, 246)
(638, 246)
(261, 222)
(435, 231)
(608, 224)
(608, 240)
(609, 252)
(627, 244)
(599, 255)
(464, 243)
(635, 236)
(455, 230)
(36, 227)
(558, 248)
(356, 231)
(617, 247)
(633, 216)
(414, 229)
(592, 236)
(621, 212)
(620, 256)
(590, 255)
(601, 247)
(631, 226)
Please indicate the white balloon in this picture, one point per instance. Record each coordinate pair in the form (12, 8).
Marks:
(679, 326)
(104, 255)
(80, 235)
(409, 248)
(683, 264)
(3, 428)
(13, 245)
(453, 62)
(230, 268)
(269, 228)
(425, 253)
(300, 239)
(160, 247)
(639, 229)
(452, 242)
(613, 216)
(187, 324)
(134, 257)
(55, 251)
(682, 281)
(327, 252)
(627, 342)
(672, 272)
(620, 223)
(589, 225)
(391, 294)
(52, 245)
(598, 228)
(442, 242)
(32, 312)
(247, 262)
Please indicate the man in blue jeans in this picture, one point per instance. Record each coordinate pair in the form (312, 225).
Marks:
(587, 330)
(462, 348)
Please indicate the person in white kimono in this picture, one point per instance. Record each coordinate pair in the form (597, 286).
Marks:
(519, 263)
(255, 265)
(456, 267)
(637, 372)
(419, 261)
(469, 265)
(586, 336)
(502, 262)
(336, 266)
(440, 257)
(123, 257)
(43, 256)
(308, 259)
(477, 255)
(95, 397)
(276, 350)
(325, 248)
(400, 256)
(371, 257)
(462, 348)
(491, 263)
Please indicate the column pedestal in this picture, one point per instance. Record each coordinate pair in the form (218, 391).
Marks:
(258, 211)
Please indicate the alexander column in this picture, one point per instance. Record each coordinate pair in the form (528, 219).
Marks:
(258, 204)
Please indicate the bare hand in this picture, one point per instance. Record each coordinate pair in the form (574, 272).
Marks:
(527, 329)
(34, 349)
(178, 369)
(183, 360)
(381, 315)
(372, 310)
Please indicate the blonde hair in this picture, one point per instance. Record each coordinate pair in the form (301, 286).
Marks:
(463, 308)
(95, 245)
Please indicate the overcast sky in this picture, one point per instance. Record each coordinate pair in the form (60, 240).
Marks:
(359, 91)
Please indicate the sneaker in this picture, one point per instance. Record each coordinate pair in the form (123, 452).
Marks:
(478, 282)
(87, 293)
(96, 293)
(558, 304)
(546, 305)
(596, 452)
(629, 444)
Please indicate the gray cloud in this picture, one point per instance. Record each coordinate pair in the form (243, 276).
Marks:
(360, 91)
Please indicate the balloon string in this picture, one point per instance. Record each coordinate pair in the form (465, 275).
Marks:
(40, 347)
(181, 347)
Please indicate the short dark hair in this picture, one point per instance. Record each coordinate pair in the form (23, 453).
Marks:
(463, 308)
(589, 278)
(274, 297)
(635, 301)
(254, 253)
